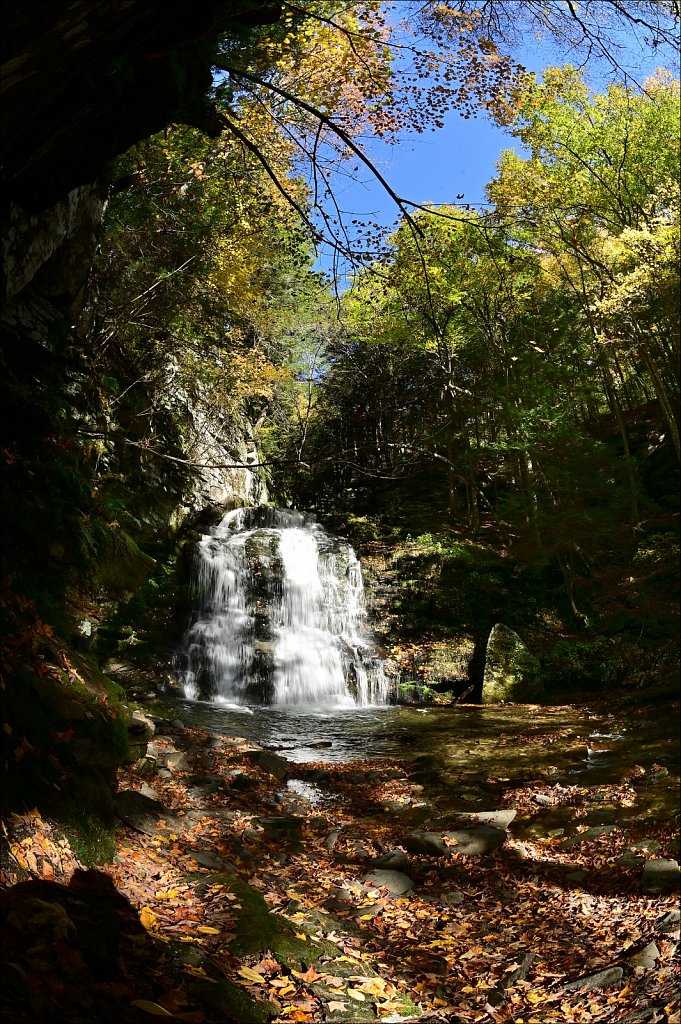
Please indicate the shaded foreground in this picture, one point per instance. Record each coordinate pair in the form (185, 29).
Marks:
(249, 889)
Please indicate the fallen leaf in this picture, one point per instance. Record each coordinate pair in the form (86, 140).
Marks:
(309, 975)
(336, 1006)
(250, 975)
(147, 917)
(149, 1007)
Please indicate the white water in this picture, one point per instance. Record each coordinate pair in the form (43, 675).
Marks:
(281, 617)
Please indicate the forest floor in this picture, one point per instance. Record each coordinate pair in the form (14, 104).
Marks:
(251, 894)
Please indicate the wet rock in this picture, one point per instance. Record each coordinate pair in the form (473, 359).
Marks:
(271, 763)
(140, 812)
(608, 978)
(470, 842)
(660, 876)
(397, 883)
(512, 673)
(240, 780)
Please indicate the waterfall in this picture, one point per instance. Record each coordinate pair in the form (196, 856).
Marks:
(280, 617)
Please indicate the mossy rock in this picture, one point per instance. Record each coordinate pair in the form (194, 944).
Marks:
(123, 566)
(232, 1002)
(64, 737)
(512, 673)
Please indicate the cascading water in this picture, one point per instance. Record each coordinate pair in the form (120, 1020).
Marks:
(281, 616)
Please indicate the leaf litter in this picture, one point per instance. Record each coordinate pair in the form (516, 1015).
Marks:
(441, 953)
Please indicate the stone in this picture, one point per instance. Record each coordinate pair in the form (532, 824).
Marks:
(397, 883)
(284, 828)
(469, 841)
(660, 876)
(511, 673)
(608, 978)
(670, 924)
(177, 761)
(646, 957)
(497, 819)
(512, 975)
(208, 859)
(271, 763)
(140, 727)
(395, 860)
(140, 812)
(585, 837)
(331, 839)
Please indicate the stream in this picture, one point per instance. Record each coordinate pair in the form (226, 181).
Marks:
(469, 757)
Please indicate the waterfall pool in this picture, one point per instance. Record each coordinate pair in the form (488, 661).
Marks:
(471, 755)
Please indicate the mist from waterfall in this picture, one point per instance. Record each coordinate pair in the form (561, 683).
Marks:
(280, 617)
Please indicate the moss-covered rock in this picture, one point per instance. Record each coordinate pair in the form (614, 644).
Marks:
(512, 673)
(64, 737)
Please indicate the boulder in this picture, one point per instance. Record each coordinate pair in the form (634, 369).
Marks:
(177, 760)
(394, 860)
(397, 883)
(660, 876)
(271, 763)
(512, 673)
(140, 812)
(140, 728)
(468, 841)
(497, 819)
(608, 978)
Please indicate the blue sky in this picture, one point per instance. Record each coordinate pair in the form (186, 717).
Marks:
(461, 157)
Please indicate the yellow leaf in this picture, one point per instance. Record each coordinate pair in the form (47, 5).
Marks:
(208, 931)
(147, 917)
(354, 994)
(149, 1007)
(250, 975)
(301, 935)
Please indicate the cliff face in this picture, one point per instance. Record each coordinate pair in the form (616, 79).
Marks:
(81, 82)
